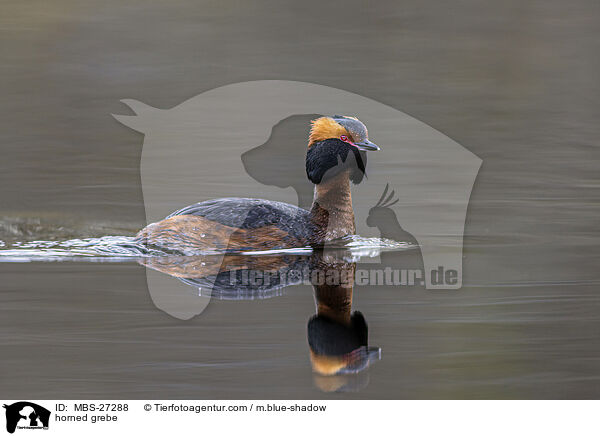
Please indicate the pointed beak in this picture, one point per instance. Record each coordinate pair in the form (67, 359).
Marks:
(361, 359)
(367, 146)
(374, 354)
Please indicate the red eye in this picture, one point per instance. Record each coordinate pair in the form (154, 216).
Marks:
(344, 138)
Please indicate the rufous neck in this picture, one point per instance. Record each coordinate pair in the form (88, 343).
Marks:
(334, 297)
(332, 209)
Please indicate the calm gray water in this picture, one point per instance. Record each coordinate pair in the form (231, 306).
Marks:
(514, 82)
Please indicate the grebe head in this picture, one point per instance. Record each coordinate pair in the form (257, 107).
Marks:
(336, 348)
(337, 144)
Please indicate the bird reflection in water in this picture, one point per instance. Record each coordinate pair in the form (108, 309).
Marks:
(337, 337)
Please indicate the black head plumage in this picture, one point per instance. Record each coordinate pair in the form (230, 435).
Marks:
(328, 158)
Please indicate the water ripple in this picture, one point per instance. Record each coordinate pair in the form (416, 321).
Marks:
(124, 248)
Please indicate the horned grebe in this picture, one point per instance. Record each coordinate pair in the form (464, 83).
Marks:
(335, 156)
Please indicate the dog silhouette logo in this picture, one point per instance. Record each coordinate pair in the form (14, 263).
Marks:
(26, 415)
(290, 155)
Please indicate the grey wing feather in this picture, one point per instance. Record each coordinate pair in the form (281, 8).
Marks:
(250, 213)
